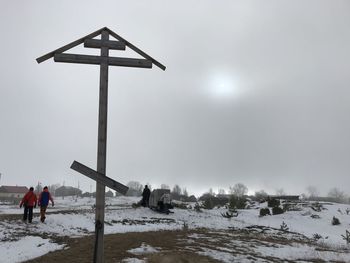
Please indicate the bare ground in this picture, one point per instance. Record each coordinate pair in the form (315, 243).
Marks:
(185, 246)
(172, 248)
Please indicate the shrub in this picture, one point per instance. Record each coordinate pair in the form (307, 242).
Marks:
(237, 202)
(180, 205)
(197, 208)
(185, 226)
(191, 198)
(335, 221)
(284, 226)
(264, 212)
(277, 210)
(208, 203)
(216, 201)
(273, 202)
(346, 237)
(316, 236)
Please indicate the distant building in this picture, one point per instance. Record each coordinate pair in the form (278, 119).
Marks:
(67, 191)
(7, 191)
(285, 197)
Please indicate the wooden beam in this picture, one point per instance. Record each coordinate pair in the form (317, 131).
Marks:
(137, 50)
(92, 174)
(101, 154)
(82, 59)
(97, 60)
(96, 43)
(69, 46)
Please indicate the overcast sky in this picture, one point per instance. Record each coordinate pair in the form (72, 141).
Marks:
(254, 92)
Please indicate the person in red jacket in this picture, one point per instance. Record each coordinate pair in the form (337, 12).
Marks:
(29, 201)
(43, 202)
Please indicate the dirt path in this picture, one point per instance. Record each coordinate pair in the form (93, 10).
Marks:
(170, 244)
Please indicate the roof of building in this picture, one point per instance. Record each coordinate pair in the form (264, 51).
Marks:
(13, 189)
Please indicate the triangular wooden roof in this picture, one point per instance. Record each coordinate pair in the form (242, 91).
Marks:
(94, 34)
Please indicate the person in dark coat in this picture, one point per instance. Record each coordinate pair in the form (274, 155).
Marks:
(29, 202)
(145, 196)
(43, 202)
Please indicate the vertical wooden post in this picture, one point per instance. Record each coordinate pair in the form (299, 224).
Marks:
(101, 154)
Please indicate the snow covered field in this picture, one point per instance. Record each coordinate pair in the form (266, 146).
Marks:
(75, 217)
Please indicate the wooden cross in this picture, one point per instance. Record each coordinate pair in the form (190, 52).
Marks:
(104, 60)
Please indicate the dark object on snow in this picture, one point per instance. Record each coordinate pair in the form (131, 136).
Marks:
(335, 221)
(230, 214)
(264, 212)
(160, 201)
(277, 210)
(145, 196)
(317, 207)
(272, 202)
(315, 216)
(316, 236)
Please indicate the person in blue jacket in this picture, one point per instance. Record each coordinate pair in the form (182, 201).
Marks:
(43, 202)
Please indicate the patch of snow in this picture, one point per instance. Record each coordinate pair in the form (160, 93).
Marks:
(133, 260)
(26, 248)
(144, 249)
(301, 252)
(225, 256)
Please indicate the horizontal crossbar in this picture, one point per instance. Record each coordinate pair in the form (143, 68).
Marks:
(97, 60)
(80, 168)
(97, 43)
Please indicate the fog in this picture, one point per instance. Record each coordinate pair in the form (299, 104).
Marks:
(254, 92)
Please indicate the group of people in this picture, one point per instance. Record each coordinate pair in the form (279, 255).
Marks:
(30, 200)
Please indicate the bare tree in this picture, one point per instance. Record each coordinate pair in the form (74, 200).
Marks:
(280, 191)
(164, 186)
(211, 192)
(239, 190)
(337, 194)
(312, 191)
(52, 188)
(177, 189)
(38, 188)
(184, 192)
(221, 192)
(261, 194)
(135, 188)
